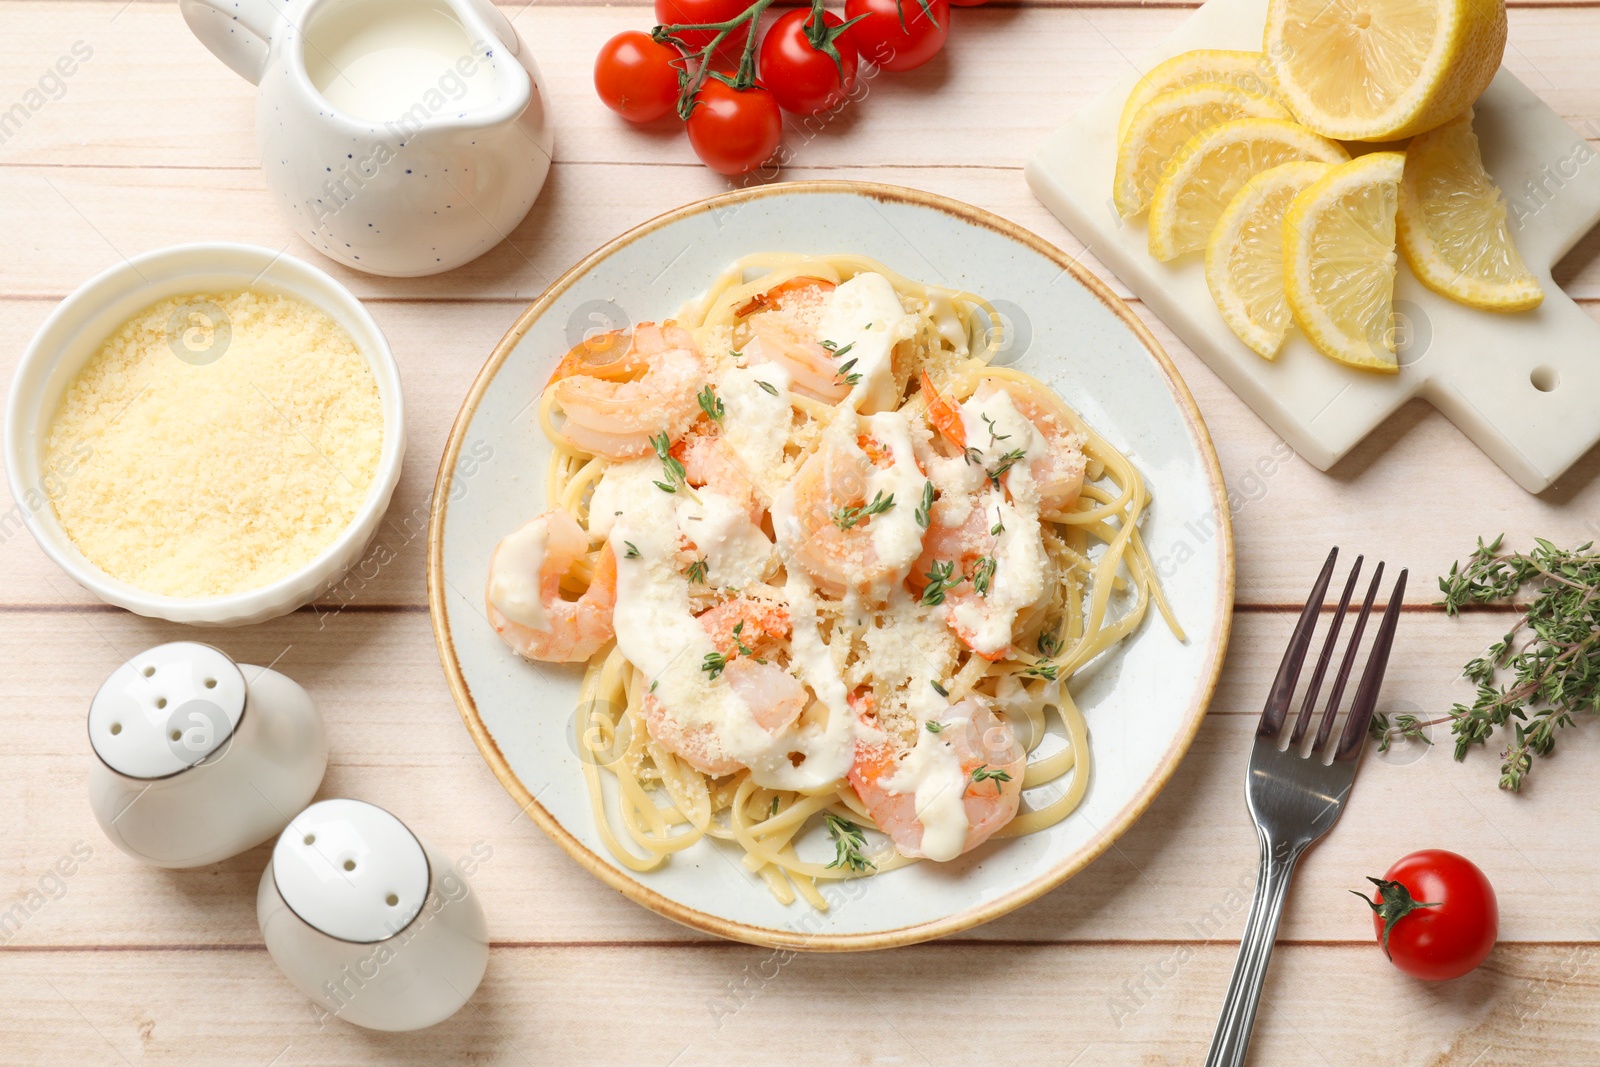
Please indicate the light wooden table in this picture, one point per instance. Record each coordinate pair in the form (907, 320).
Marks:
(151, 143)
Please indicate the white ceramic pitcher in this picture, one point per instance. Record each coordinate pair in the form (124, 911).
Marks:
(404, 137)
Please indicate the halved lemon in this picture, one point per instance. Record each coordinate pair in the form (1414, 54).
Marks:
(1249, 71)
(1452, 226)
(1244, 258)
(1211, 168)
(1378, 70)
(1165, 124)
(1339, 260)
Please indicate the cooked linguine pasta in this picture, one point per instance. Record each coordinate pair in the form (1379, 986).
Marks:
(830, 571)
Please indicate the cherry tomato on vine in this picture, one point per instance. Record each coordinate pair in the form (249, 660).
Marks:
(635, 76)
(670, 12)
(801, 76)
(734, 131)
(1435, 914)
(881, 38)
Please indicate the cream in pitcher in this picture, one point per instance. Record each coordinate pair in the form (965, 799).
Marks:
(404, 137)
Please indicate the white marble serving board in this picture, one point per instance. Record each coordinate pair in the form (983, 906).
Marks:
(1483, 370)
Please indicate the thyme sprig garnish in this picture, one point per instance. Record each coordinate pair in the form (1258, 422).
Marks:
(696, 571)
(924, 513)
(933, 727)
(677, 477)
(844, 518)
(941, 576)
(714, 664)
(983, 575)
(848, 841)
(711, 404)
(1049, 642)
(1538, 677)
(633, 550)
(767, 386)
(1042, 669)
(987, 774)
(1007, 461)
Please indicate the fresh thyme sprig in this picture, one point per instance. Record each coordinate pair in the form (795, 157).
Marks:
(941, 576)
(676, 475)
(714, 664)
(844, 518)
(633, 550)
(933, 727)
(1043, 669)
(767, 386)
(983, 575)
(925, 512)
(1551, 655)
(711, 404)
(985, 774)
(848, 841)
(1007, 461)
(696, 571)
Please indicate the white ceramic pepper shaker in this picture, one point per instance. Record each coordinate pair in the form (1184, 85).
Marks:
(198, 758)
(373, 924)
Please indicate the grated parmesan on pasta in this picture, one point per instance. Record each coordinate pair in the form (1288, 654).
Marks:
(210, 478)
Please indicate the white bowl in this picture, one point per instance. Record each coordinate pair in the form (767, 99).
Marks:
(74, 332)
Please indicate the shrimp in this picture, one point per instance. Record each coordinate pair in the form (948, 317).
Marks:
(710, 462)
(803, 289)
(758, 625)
(525, 575)
(614, 415)
(783, 325)
(812, 369)
(958, 547)
(832, 484)
(771, 694)
(1057, 469)
(991, 764)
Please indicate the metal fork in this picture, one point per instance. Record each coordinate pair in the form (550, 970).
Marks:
(1295, 799)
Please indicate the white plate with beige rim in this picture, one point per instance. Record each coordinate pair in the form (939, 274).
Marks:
(1143, 705)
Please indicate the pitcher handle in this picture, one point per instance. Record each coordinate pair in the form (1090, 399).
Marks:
(238, 32)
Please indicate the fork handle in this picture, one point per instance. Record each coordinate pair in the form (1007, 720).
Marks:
(1232, 1038)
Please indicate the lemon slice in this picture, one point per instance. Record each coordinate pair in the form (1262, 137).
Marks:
(1208, 171)
(1452, 226)
(1166, 123)
(1339, 260)
(1377, 70)
(1244, 258)
(1249, 71)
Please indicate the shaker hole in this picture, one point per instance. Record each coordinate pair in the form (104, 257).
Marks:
(391, 900)
(349, 865)
(211, 683)
(148, 671)
(310, 839)
(116, 728)
(1545, 378)
(177, 735)
(161, 702)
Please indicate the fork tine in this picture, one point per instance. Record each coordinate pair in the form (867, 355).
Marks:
(1325, 727)
(1304, 718)
(1282, 691)
(1366, 698)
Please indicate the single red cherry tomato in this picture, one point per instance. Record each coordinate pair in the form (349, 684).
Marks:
(803, 78)
(968, 3)
(680, 12)
(635, 76)
(734, 131)
(1435, 914)
(898, 34)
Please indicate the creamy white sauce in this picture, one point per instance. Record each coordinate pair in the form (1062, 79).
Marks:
(932, 772)
(896, 535)
(865, 314)
(942, 310)
(514, 575)
(737, 553)
(757, 423)
(994, 428)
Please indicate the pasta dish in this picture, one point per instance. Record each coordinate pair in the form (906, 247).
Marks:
(830, 571)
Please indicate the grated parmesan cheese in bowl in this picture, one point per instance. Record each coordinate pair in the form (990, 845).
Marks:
(232, 438)
(207, 433)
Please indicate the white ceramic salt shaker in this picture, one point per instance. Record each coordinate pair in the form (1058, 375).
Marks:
(198, 758)
(373, 924)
